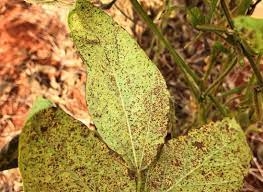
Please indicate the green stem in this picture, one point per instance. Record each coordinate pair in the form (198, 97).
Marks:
(227, 14)
(220, 107)
(211, 28)
(252, 63)
(221, 77)
(242, 44)
(194, 82)
(202, 113)
(139, 181)
(234, 90)
(211, 63)
(192, 79)
(258, 97)
(258, 104)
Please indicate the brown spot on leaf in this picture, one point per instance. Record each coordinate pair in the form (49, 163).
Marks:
(199, 145)
(43, 129)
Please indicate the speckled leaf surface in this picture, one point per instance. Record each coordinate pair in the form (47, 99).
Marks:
(125, 92)
(214, 158)
(58, 153)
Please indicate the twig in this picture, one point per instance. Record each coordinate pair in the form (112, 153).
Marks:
(253, 7)
(108, 5)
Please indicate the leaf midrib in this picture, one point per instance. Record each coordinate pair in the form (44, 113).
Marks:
(121, 97)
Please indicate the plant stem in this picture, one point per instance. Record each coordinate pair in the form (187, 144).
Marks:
(235, 90)
(139, 181)
(202, 113)
(192, 79)
(221, 77)
(211, 28)
(108, 5)
(252, 63)
(227, 14)
(220, 107)
(241, 43)
(258, 104)
(252, 7)
(194, 82)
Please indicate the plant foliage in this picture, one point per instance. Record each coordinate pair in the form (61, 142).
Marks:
(56, 151)
(129, 103)
(212, 158)
(126, 93)
(59, 153)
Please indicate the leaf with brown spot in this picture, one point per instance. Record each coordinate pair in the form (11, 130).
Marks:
(58, 153)
(125, 92)
(214, 158)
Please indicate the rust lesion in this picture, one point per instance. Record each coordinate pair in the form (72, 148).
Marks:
(199, 145)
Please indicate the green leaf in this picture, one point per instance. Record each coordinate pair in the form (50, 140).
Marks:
(251, 30)
(211, 159)
(125, 92)
(58, 153)
(39, 105)
(195, 16)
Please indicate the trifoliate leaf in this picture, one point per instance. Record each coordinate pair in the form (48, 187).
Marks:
(125, 92)
(58, 153)
(214, 158)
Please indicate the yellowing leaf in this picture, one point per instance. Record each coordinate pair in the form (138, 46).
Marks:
(58, 153)
(214, 158)
(126, 93)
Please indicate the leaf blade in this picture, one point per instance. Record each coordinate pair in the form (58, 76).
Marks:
(190, 163)
(124, 88)
(58, 152)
